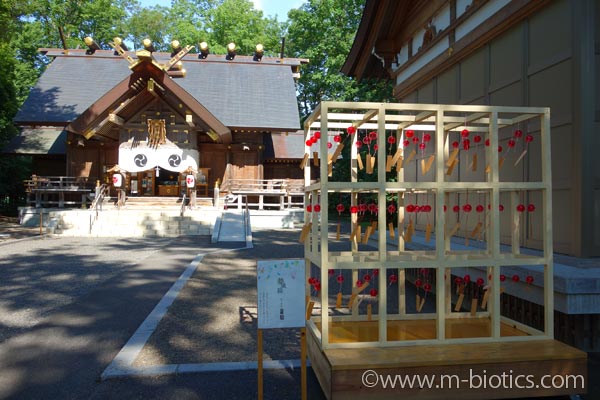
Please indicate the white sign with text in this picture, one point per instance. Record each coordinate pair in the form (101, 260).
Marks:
(281, 291)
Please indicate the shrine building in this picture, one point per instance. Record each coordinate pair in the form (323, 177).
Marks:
(155, 115)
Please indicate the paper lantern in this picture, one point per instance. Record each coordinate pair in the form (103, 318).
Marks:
(117, 180)
(190, 181)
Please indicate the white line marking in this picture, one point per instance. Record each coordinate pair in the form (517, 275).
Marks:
(171, 369)
(122, 364)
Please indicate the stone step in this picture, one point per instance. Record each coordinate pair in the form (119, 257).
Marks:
(134, 223)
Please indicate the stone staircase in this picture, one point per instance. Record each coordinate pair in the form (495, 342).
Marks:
(132, 222)
(154, 202)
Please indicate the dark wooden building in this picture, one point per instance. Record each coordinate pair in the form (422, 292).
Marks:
(157, 114)
(509, 53)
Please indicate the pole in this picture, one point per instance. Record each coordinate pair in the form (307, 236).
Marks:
(303, 363)
(260, 363)
(41, 221)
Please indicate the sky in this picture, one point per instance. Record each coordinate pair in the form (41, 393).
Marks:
(269, 7)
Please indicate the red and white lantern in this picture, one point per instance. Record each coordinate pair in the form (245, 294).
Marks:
(190, 181)
(117, 180)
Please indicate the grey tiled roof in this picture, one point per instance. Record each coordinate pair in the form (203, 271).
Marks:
(239, 94)
(47, 140)
(284, 145)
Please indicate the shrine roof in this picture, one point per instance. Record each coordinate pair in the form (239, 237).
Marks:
(239, 93)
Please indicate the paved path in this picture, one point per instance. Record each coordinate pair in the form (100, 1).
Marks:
(233, 228)
(69, 306)
(62, 354)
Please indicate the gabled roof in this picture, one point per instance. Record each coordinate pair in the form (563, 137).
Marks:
(129, 96)
(239, 93)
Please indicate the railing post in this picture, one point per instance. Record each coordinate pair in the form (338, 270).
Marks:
(216, 196)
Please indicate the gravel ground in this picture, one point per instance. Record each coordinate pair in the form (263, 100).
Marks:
(213, 318)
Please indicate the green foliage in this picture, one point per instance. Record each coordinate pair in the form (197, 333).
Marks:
(8, 98)
(218, 22)
(237, 21)
(15, 169)
(151, 23)
(323, 31)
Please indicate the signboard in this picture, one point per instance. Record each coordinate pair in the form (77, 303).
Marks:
(281, 294)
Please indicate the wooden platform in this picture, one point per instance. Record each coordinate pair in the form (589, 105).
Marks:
(368, 331)
(456, 370)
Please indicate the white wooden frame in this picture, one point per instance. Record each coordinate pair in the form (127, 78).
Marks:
(439, 119)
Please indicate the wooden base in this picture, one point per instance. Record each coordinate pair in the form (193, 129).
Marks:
(466, 371)
(368, 331)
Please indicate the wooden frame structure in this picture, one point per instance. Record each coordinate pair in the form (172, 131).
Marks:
(337, 328)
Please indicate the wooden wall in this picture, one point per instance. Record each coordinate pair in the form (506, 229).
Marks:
(538, 63)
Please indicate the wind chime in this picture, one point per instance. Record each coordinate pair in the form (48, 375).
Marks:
(423, 288)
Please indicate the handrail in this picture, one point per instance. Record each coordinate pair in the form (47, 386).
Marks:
(101, 192)
(264, 185)
(182, 209)
(100, 195)
(58, 182)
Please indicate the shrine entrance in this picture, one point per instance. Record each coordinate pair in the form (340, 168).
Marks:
(161, 182)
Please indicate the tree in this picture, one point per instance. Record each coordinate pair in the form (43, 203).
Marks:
(237, 21)
(323, 31)
(151, 23)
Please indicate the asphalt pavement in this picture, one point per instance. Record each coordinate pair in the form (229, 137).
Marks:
(69, 305)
